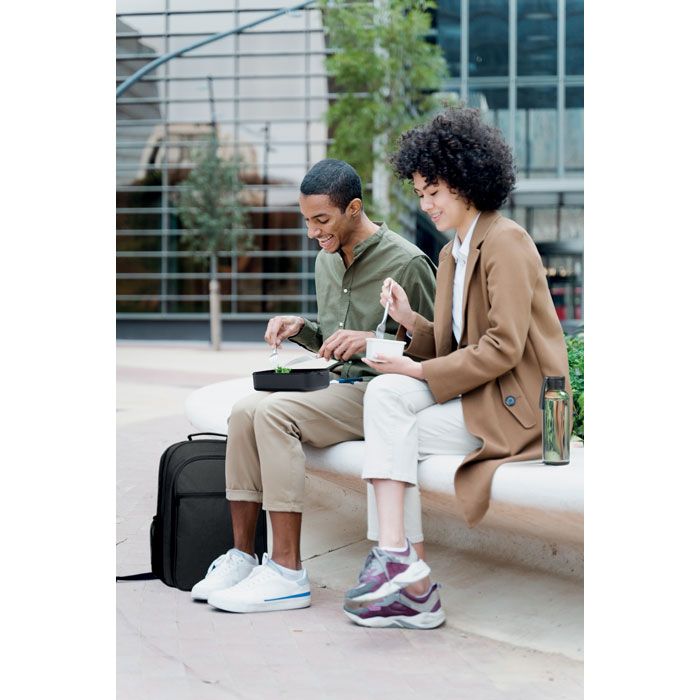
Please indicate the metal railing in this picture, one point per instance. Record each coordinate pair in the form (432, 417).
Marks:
(165, 112)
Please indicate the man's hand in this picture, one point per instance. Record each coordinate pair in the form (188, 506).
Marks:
(400, 309)
(342, 345)
(396, 365)
(280, 328)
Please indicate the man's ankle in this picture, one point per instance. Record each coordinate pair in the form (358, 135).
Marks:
(245, 547)
(250, 556)
(287, 561)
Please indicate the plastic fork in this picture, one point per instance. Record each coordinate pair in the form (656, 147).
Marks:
(275, 361)
(381, 328)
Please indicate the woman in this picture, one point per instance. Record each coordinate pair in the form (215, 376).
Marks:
(475, 393)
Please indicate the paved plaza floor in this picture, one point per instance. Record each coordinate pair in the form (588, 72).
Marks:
(510, 633)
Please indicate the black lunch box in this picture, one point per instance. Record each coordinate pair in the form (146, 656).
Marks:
(296, 380)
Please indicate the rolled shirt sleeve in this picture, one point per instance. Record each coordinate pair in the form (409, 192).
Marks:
(309, 336)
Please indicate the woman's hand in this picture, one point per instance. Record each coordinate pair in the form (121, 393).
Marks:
(400, 309)
(396, 365)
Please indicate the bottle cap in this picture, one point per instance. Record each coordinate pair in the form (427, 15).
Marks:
(551, 383)
(555, 382)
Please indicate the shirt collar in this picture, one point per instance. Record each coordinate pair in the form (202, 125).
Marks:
(362, 246)
(460, 251)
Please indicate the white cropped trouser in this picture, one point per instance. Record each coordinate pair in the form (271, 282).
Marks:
(403, 424)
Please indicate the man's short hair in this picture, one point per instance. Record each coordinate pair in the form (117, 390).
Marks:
(334, 178)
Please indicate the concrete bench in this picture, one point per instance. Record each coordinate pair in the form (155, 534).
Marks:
(536, 512)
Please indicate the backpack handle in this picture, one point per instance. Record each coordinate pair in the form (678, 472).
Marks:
(189, 437)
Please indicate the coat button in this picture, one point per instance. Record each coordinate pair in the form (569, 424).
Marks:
(510, 400)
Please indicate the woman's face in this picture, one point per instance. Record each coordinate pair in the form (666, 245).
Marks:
(446, 209)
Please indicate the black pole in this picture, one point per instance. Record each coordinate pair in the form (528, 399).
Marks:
(212, 106)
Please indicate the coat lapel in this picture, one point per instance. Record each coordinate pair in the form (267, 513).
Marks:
(443, 302)
(486, 220)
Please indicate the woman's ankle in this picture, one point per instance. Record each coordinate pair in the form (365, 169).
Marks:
(393, 544)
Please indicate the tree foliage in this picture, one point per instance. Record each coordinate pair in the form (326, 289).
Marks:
(574, 346)
(386, 72)
(210, 206)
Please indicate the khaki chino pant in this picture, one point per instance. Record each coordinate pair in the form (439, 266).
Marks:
(265, 462)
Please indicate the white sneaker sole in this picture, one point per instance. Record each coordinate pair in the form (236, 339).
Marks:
(205, 595)
(416, 572)
(237, 606)
(422, 621)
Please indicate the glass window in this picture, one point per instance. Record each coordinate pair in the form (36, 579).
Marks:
(573, 130)
(540, 222)
(545, 224)
(447, 24)
(552, 228)
(574, 37)
(488, 37)
(536, 132)
(493, 104)
(537, 37)
(565, 280)
(571, 224)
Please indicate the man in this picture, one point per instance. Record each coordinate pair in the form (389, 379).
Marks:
(265, 462)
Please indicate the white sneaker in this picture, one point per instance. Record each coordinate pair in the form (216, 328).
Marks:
(264, 590)
(225, 571)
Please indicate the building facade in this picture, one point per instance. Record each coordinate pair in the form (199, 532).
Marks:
(521, 63)
(264, 93)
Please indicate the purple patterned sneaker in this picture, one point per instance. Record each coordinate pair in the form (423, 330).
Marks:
(400, 609)
(387, 572)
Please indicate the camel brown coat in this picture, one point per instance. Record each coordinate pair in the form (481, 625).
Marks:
(511, 339)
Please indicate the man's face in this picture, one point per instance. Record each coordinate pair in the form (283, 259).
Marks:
(326, 223)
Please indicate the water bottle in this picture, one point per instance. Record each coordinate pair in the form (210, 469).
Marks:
(556, 421)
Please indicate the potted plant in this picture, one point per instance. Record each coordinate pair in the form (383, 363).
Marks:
(574, 346)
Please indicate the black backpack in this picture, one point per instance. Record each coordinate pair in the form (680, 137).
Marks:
(192, 524)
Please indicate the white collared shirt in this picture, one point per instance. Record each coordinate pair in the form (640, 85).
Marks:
(460, 253)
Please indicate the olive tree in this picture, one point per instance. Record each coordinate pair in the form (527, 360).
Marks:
(385, 71)
(214, 217)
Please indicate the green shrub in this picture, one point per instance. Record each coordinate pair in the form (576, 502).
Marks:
(574, 346)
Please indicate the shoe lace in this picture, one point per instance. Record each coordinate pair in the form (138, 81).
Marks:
(373, 565)
(227, 560)
(217, 562)
(257, 576)
(376, 563)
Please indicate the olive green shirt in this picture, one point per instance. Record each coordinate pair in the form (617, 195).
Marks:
(348, 298)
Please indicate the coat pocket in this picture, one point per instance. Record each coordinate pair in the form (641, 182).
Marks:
(515, 401)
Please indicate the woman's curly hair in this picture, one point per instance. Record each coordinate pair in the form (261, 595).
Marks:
(459, 148)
